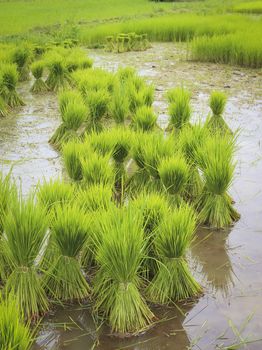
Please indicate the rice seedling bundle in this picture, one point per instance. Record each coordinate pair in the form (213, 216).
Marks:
(216, 162)
(117, 283)
(174, 174)
(144, 119)
(4, 108)
(39, 85)
(98, 104)
(77, 59)
(9, 79)
(173, 280)
(97, 169)
(95, 197)
(157, 148)
(14, 333)
(59, 76)
(73, 152)
(217, 104)
(191, 138)
(21, 56)
(139, 93)
(25, 227)
(64, 280)
(179, 108)
(73, 113)
(55, 192)
(119, 104)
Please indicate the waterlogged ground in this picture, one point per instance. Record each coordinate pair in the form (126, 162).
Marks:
(227, 263)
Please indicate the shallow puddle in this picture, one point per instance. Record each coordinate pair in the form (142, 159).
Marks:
(227, 263)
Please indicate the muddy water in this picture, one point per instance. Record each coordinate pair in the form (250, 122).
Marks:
(24, 139)
(227, 263)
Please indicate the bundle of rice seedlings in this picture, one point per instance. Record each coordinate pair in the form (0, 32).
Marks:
(101, 142)
(96, 169)
(139, 95)
(173, 281)
(14, 333)
(117, 283)
(153, 207)
(95, 197)
(64, 280)
(55, 192)
(25, 227)
(174, 174)
(215, 159)
(98, 104)
(9, 81)
(59, 77)
(21, 57)
(191, 138)
(125, 74)
(77, 59)
(144, 119)
(217, 104)
(157, 148)
(4, 108)
(74, 114)
(119, 105)
(179, 108)
(39, 85)
(73, 153)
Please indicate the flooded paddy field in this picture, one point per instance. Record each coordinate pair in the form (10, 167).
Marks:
(227, 263)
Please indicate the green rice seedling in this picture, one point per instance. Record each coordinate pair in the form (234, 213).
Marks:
(215, 159)
(110, 45)
(55, 192)
(4, 110)
(66, 96)
(63, 135)
(9, 81)
(155, 150)
(14, 333)
(173, 280)
(64, 280)
(174, 174)
(101, 142)
(74, 114)
(95, 197)
(144, 119)
(7, 195)
(59, 77)
(153, 207)
(21, 57)
(249, 7)
(191, 138)
(125, 74)
(73, 152)
(117, 284)
(179, 108)
(25, 227)
(98, 104)
(119, 105)
(77, 59)
(96, 169)
(39, 85)
(217, 104)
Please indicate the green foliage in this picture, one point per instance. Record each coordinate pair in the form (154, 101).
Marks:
(55, 192)
(64, 279)
(144, 119)
(249, 7)
(216, 161)
(119, 105)
(9, 79)
(98, 104)
(67, 96)
(59, 77)
(72, 154)
(39, 85)
(74, 114)
(117, 283)
(7, 195)
(25, 227)
(97, 169)
(95, 197)
(173, 281)
(174, 174)
(14, 333)
(217, 104)
(179, 108)
(21, 56)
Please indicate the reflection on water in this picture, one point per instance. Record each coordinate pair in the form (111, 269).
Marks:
(210, 249)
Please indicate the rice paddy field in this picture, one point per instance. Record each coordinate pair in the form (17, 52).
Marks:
(130, 175)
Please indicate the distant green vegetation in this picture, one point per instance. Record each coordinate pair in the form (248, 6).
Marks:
(249, 7)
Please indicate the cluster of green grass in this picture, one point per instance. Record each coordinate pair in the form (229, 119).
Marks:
(127, 42)
(249, 7)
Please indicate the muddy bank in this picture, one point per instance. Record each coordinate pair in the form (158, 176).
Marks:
(227, 263)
